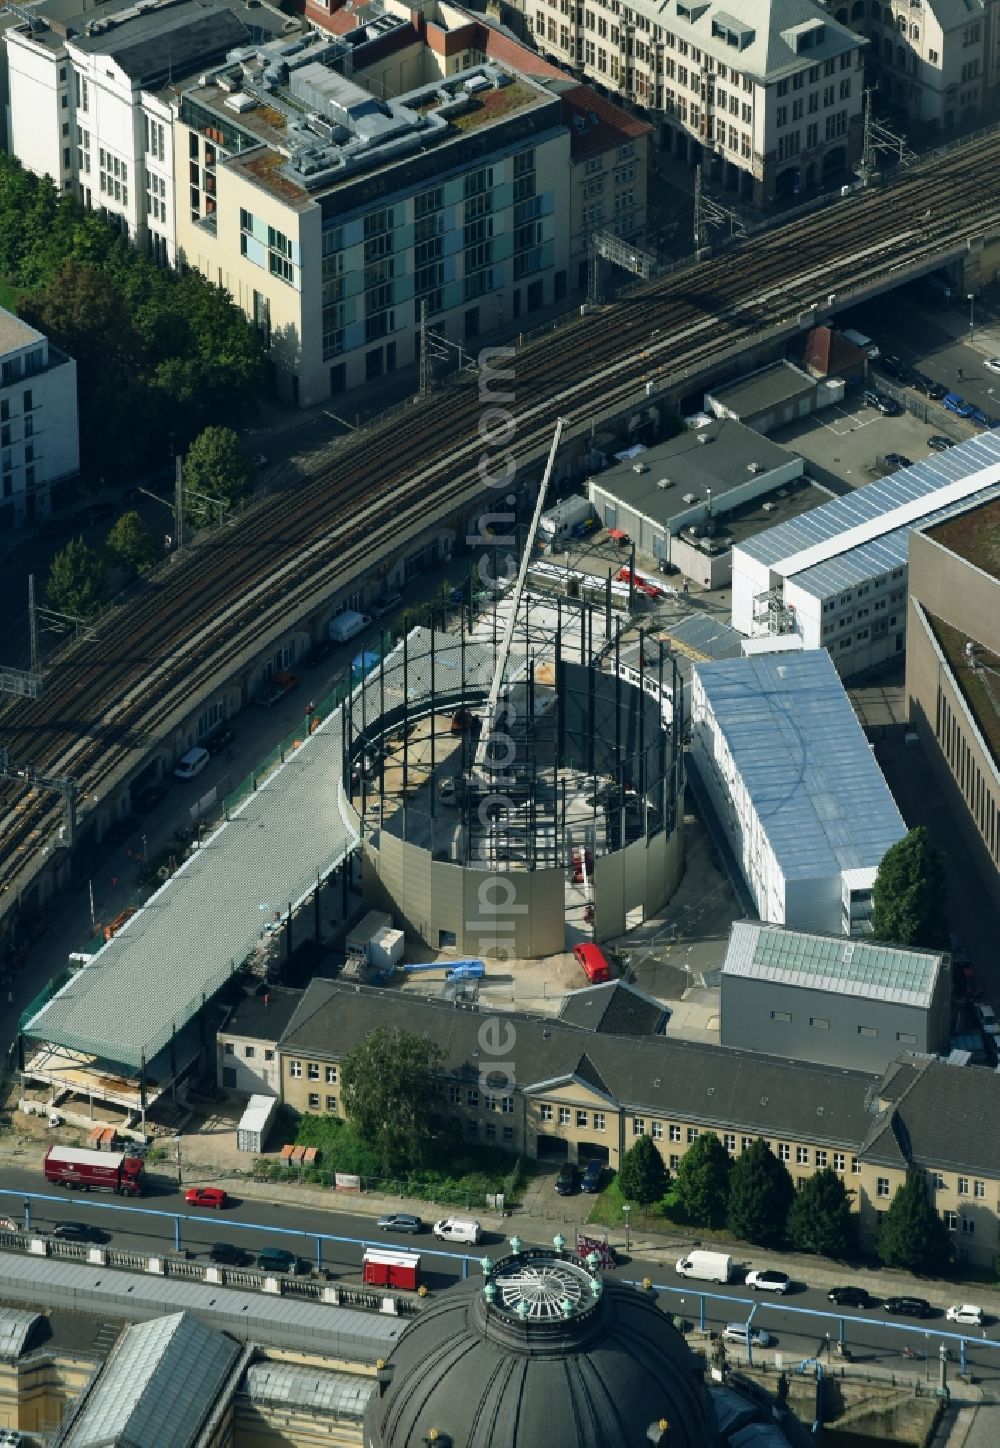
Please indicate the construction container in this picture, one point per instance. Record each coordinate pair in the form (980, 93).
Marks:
(359, 939)
(254, 1124)
(385, 950)
(385, 1267)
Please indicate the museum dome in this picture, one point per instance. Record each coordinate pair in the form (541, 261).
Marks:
(540, 1352)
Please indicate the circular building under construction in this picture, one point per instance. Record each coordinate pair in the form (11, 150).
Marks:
(513, 791)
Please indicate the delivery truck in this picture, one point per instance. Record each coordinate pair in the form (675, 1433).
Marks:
(705, 1266)
(98, 1171)
(562, 520)
(347, 624)
(386, 1267)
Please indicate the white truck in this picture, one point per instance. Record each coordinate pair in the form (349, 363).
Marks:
(706, 1266)
(562, 520)
(347, 624)
(859, 339)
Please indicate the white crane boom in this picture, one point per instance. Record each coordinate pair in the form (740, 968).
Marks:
(508, 633)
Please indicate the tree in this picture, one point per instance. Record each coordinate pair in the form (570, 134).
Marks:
(702, 1181)
(131, 545)
(760, 1195)
(910, 896)
(84, 313)
(76, 580)
(911, 1234)
(643, 1177)
(216, 467)
(821, 1219)
(390, 1092)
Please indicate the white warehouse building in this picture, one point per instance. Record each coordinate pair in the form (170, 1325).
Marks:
(795, 786)
(837, 575)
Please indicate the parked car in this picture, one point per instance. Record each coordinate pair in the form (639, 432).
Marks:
(592, 1173)
(567, 1181)
(931, 389)
(400, 1222)
(738, 1332)
(224, 1254)
(992, 364)
(897, 460)
(966, 409)
(279, 1259)
(907, 1306)
(888, 406)
(952, 401)
(386, 604)
(192, 763)
(207, 1197)
(978, 416)
(894, 367)
(851, 1297)
(145, 800)
(966, 1314)
(768, 1280)
(79, 1232)
(938, 443)
(219, 738)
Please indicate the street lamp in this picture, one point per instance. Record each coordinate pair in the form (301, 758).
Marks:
(626, 1208)
(971, 298)
(989, 407)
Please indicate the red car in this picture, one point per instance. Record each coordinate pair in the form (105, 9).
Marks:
(206, 1197)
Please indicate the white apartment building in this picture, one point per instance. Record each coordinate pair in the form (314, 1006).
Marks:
(934, 59)
(767, 91)
(39, 428)
(836, 576)
(90, 94)
(795, 787)
(332, 216)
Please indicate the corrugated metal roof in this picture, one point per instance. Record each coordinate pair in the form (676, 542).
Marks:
(804, 759)
(896, 503)
(761, 951)
(343, 1395)
(15, 1328)
(157, 1387)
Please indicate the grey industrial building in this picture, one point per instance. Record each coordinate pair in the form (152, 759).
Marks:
(670, 499)
(830, 1000)
(772, 396)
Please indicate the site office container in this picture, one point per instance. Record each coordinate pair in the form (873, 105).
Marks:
(100, 1171)
(384, 1267)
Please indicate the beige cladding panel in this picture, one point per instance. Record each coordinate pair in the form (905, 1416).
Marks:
(951, 588)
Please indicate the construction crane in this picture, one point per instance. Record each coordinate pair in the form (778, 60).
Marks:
(490, 712)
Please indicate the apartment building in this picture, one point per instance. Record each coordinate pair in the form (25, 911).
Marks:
(953, 672)
(933, 60)
(589, 1084)
(769, 95)
(91, 91)
(39, 428)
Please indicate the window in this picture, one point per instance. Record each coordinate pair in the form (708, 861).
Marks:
(729, 1140)
(279, 255)
(545, 1112)
(472, 1098)
(249, 1052)
(638, 1126)
(881, 1186)
(564, 1116)
(820, 1022)
(839, 1161)
(455, 1096)
(268, 1055)
(581, 1118)
(979, 1189)
(951, 1221)
(331, 1075)
(313, 1070)
(491, 1130)
(802, 1155)
(821, 1159)
(692, 1134)
(598, 1120)
(674, 1161)
(230, 1049)
(963, 1186)
(871, 1031)
(314, 1100)
(295, 1069)
(783, 1016)
(745, 1142)
(784, 1151)
(855, 1166)
(508, 1133)
(674, 1133)
(906, 1038)
(331, 1103)
(968, 1226)
(656, 1130)
(507, 1105)
(938, 1181)
(471, 1128)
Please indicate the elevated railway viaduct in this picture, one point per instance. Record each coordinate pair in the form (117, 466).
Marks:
(107, 700)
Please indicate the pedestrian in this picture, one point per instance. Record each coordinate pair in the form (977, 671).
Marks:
(961, 374)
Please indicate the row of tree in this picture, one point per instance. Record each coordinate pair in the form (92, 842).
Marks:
(157, 351)
(753, 1196)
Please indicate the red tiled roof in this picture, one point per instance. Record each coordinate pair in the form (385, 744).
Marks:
(509, 51)
(614, 125)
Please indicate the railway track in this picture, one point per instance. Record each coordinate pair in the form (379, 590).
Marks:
(152, 656)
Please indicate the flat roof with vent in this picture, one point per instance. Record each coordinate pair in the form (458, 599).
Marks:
(676, 475)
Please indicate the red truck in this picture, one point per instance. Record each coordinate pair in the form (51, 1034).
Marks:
(385, 1267)
(99, 1171)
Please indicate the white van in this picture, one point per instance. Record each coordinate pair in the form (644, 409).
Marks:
(192, 763)
(458, 1229)
(347, 624)
(706, 1266)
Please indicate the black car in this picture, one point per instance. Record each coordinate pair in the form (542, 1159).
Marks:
(224, 1254)
(907, 1306)
(851, 1297)
(79, 1232)
(567, 1181)
(897, 460)
(893, 367)
(279, 1259)
(219, 738)
(939, 443)
(145, 800)
(592, 1174)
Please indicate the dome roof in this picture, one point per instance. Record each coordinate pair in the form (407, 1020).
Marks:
(541, 1352)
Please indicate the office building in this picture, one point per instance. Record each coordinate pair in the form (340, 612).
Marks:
(39, 428)
(795, 787)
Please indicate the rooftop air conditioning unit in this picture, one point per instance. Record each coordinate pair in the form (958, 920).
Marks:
(640, 467)
(755, 467)
(665, 483)
(703, 438)
(691, 498)
(769, 507)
